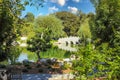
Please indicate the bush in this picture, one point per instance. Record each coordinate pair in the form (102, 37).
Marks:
(100, 62)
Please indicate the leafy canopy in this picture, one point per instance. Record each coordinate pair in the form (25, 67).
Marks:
(50, 23)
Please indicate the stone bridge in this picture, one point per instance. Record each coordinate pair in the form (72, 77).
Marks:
(69, 40)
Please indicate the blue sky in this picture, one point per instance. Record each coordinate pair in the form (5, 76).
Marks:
(51, 6)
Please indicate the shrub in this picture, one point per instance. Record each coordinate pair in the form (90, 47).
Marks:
(100, 62)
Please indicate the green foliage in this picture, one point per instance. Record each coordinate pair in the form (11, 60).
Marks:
(55, 53)
(66, 66)
(51, 24)
(102, 61)
(31, 55)
(52, 52)
(27, 28)
(39, 44)
(14, 53)
(84, 30)
(34, 3)
(29, 17)
(70, 22)
(106, 20)
(10, 23)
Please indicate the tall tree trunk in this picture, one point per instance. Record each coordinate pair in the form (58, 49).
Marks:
(38, 55)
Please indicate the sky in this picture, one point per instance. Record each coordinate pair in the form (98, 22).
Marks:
(51, 6)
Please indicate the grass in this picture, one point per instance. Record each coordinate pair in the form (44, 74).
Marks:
(53, 52)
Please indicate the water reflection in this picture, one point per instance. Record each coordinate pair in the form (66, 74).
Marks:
(32, 57)
(27, 56)
(68, 47)
(23, 56)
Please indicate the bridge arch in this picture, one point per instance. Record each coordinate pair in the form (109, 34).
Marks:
(69, 40)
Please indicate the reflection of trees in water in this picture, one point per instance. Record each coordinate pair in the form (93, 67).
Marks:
(68, 47)
(27, 56)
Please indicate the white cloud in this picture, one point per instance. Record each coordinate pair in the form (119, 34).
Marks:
(60, 2)
(72, 9)
(76, 1)
(52, 9)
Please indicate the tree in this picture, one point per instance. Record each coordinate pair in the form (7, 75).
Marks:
(39, 44)
(27, 28)
(103, 60)
(50, 23)
(84, 31)
(29, 17)
(70, 22)
(82, 16)
(14, 53)
(10, 23)
(106, 28)
(106, 20)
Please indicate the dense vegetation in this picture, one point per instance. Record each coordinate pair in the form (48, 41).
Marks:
(98, 58)
(103, 60)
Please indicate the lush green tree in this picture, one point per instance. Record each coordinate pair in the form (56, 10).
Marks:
(39, 44)
(70, 22)
(50, 23)
(14, 53)
(98, 62)
(84, 30)
(10, 23)
(27, 28)
(103, 60)
(89, 64)
(82, 16)
(29, 17)
(106, 28)
(106, 20)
